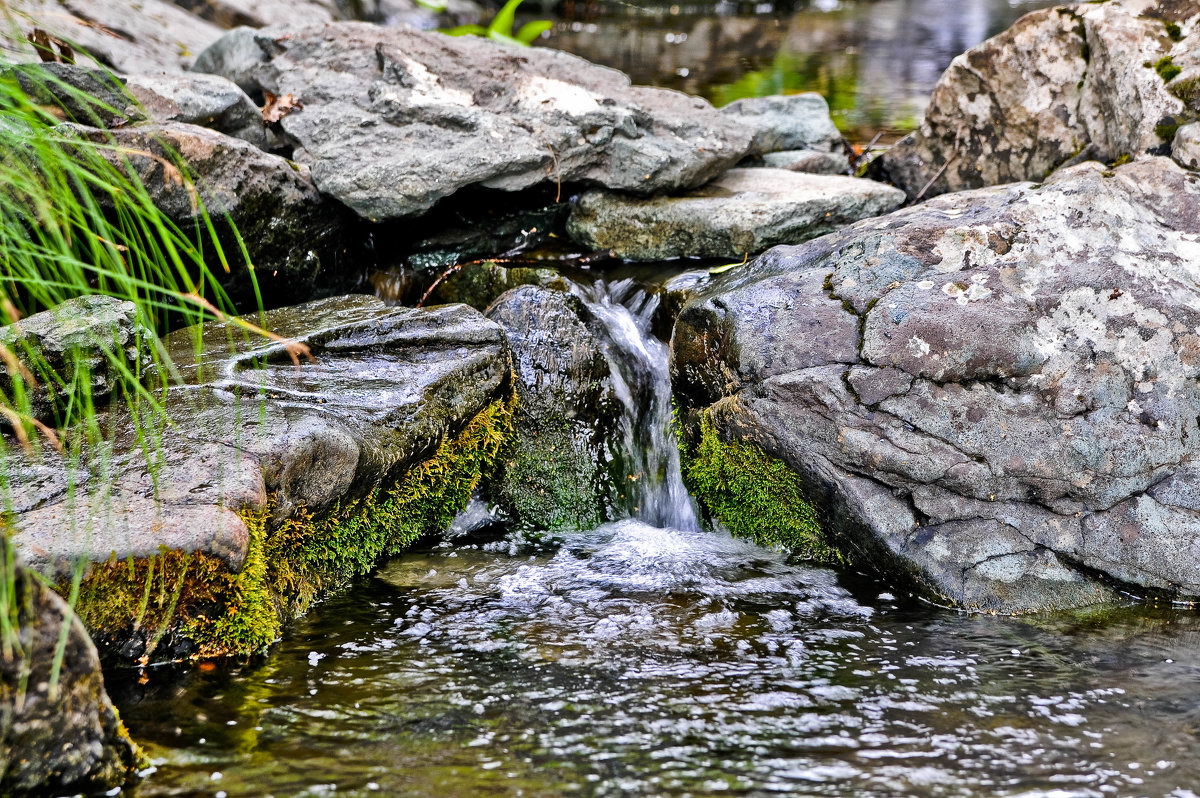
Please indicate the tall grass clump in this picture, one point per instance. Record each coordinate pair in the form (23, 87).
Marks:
(76, 220)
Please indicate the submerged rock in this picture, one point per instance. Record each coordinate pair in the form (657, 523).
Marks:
(58, 735)
(993, 394)
(291, 233)
(743, 211)
(270, 481)
(791, 122)
(395, 120)
(1095, 80)
(556, 474)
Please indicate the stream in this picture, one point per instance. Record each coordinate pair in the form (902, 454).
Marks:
(651, 657)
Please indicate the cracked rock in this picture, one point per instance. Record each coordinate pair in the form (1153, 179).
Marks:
(996, 391)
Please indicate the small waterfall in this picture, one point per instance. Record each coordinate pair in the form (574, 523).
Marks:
(640, 372)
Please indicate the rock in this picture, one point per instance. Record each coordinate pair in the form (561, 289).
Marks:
(235, 56)
(792, 122)
(64, 741)
(74, 335)
(743, 211)
(556, 474)
(993, 395)
(812, 161)
(260, 13)
(79, 94)
(123, 35)
(207, 100)
(395, 120)
(270, 481)
(1096, 80)
(480, 284)
(486, 232)
(290, 232)
(1185, 148)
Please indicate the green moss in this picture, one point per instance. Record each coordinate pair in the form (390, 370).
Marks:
(1187, 90)
(1166, 130)
(289, 562)
(1173, 31)
(1123, 159)
(1166, 69)
(755, 495)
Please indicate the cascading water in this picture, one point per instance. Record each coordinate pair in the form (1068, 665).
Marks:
(640, 373)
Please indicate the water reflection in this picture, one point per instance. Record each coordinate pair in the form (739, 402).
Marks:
(632, 660)
(875, 62)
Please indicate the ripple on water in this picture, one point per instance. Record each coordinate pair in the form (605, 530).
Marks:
(632, 660)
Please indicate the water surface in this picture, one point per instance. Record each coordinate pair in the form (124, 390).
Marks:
(874, 61)
(634, 660)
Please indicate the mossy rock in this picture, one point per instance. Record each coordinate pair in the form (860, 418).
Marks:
(193, 604)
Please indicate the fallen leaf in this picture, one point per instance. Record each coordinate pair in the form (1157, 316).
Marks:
(276, 108)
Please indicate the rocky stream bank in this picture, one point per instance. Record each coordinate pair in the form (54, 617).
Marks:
(971, 373)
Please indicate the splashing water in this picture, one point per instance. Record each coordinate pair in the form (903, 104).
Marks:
(639, 365)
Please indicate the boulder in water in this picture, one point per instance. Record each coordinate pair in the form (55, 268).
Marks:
(271, 481)
(742, 212)
(1094, 80)
(993, 395)
(556, 474)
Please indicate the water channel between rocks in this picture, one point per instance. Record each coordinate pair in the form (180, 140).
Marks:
(652, 657)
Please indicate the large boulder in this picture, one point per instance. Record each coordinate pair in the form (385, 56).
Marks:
(742, 212)
(1097, 80)
(264, 482)
(993, 395)
(395, 120)
(59, 734)
(290, 232)
(556, 474)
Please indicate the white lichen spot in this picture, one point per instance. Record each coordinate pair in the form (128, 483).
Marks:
(541, 93)
(925, 285)
(918, 347)
(1134, 407)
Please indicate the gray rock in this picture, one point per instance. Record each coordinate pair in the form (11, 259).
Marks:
(64, 741)
(1060, 85)
(993, 394)
(197, 99)
(743, 211)
(791, 122)
(290, 231)
(123, 35)
(556, 475)
(94, 334)
(260, 13)
(395, 120)
(235, 56)
(1185, 148)
(248, 431)
(813, 161)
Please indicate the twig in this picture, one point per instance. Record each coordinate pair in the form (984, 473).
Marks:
(557, 174)
(933, 179)
(453, 270)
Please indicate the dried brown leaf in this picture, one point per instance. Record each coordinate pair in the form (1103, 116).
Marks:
(276, 107)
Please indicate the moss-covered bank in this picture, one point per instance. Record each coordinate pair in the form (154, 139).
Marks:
(180, 604)
(753, 494)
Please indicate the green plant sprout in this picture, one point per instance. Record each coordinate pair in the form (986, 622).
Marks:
(500, 29)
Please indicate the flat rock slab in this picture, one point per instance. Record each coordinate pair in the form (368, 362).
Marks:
(395, 120)
(1094, 80)
(386, 387)
(742, 212)
(993, 394)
